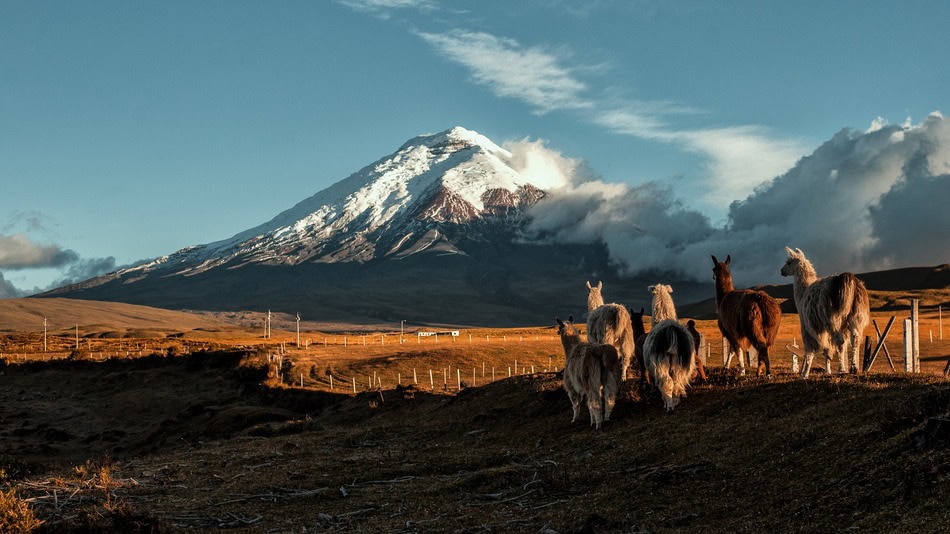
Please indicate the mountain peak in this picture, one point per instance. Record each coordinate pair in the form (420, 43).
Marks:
(455, 139)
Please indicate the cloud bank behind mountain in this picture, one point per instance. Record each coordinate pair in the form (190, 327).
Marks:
(863, 200)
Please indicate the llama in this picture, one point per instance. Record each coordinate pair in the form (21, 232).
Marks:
(609, 324)
(828, 308)
(697, 341)
(639, 335)
(663, 308)
(668, 350)
(747, 318)
(591, 372)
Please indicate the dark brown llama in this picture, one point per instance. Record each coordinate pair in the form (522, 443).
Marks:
(747, 318)
(639, 335)
(591, 372)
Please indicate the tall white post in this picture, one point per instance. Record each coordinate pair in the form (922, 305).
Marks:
(908, 346)
(298, 330)
(915, 318)
(44, 334)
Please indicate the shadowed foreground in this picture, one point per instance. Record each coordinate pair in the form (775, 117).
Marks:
(823, 454)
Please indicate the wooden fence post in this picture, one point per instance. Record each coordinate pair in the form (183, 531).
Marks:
(908, 346)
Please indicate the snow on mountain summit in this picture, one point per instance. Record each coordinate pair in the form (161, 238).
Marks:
(455, 177)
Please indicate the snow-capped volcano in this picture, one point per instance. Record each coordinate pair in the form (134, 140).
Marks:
(402, 204)
(430, 233)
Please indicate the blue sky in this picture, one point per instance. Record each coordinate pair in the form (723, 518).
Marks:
(129, 130)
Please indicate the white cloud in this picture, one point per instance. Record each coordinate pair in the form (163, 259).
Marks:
(383, 8)
(531, 74)
(739, 159)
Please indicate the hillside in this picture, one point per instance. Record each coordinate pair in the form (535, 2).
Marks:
(98, 317)
(737, 455)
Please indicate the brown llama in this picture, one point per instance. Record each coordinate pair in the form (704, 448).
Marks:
(747, 318)
(609, 324)
(591, 372)
(697, 340)
(828, 308)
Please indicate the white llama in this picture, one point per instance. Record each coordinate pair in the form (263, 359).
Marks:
(609, 324)
(833, 312)
(591, 372)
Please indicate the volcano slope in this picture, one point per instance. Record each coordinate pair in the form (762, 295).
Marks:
(739, 454)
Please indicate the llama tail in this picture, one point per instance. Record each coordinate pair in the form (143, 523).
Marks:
(849, 298)
(766, 318)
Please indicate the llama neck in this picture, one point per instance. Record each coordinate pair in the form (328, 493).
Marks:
(723, 286)
(663, 309)
(805, 277)
(638, 328)
(594, 301)
(569, 341)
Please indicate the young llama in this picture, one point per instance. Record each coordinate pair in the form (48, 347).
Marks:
(639, 336)
(747, 318)
(833, 311)
(591, 372)
(668, 350)
(609, 324)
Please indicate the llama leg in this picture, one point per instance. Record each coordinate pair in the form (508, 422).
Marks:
(596, 410)
(610, 396)
(669, 401)
(764, 361)
(575, 403)
(806, 363)
(854, 351)
(845, 365)
(701, 368)
(737, 351)
(827, 354)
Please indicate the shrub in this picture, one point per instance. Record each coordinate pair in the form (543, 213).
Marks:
(15, 515)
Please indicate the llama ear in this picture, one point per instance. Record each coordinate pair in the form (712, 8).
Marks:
(588, 285)
(600, 285)
(715, 261)
(669, 289)
(790, 252)
(570, 319)
(650, 288)
(728, 259)
(800, 253)
(559, 321)
(641, 310)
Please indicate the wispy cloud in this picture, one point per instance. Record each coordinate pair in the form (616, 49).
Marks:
(547, 79)
(384, 8)
(534, 75)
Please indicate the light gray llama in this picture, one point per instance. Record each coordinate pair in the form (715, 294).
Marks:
(609, 324)
(669, 351)
(833, 312)
(591, 372)
(663, 308)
